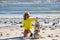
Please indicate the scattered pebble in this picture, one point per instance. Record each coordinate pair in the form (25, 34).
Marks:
(1, 34)
(43, 28)
(16, 28)
(57, 36)
(36, 31)
(54, 39)
(55, 26)
(40, 27)
(11, 29)
(22, 32)
(43, 32)
(49, 27)
(7, 34)
(52, 28)
(50, 36)
(20, 22)
(41, 36)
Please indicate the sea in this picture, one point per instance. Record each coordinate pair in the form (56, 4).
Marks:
(36, 8)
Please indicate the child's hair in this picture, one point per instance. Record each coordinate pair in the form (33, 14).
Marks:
(26, 15)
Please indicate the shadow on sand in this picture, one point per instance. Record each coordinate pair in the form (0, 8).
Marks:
(18, 38)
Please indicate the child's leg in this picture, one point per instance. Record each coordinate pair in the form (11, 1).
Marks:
(25, 33)
(30, 33)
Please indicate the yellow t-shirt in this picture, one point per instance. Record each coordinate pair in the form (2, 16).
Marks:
(27, 24)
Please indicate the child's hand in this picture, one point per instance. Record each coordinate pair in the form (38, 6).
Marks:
(21, 26)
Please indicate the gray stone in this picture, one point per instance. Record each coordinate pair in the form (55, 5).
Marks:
(11, 29)
(54, 39)
(1, 34)
(57, 36)
(52, 28)
(43, 32)
(43, 28)
(50, 36)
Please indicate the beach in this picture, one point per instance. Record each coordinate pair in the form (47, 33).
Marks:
(10, 29)
(46, 32)
(12, 12)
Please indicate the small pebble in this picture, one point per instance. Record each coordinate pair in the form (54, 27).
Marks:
(55, 26)
(43, 32)
(7, 34)
(1, 34)
(49, 27)
(52, 28)
(50, 36)
(11, 29)
(40, 27)
(54, 39)
(20, 22)
(16, 28)
(57, 36)
(43, 28)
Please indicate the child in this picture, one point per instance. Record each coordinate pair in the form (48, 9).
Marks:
(27, 24)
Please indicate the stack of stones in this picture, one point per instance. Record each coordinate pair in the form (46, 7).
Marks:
(36, 29)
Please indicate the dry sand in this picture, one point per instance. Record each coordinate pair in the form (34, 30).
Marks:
(46, 33)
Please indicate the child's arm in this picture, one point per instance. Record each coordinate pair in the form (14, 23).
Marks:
(22, 24)
(33, 19)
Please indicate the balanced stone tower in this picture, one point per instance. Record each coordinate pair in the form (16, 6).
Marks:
(36, 29)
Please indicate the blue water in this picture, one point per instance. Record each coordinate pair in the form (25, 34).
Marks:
(7, 8)
(31, 7)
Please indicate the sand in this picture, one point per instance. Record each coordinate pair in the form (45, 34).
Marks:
(46, 33)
